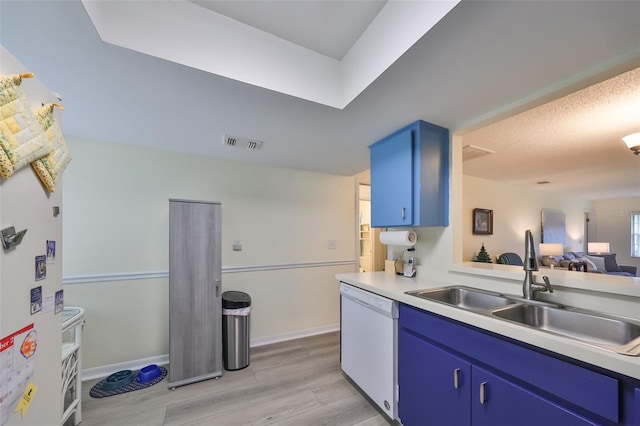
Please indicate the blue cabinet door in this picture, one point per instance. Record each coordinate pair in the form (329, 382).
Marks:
(431, 175)
(496, 401)
(392, 180)
(435, 386)
(410, 177)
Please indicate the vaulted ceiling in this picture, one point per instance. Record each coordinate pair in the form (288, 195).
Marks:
(319, 81)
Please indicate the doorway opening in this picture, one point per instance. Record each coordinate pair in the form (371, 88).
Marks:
(372, 252)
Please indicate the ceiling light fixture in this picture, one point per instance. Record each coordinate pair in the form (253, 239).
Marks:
(633, 142)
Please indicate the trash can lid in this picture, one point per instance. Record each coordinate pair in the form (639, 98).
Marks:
(235, 299)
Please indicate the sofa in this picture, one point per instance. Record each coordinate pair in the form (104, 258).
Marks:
(597, 263)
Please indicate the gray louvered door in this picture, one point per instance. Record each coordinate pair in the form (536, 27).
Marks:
(195, 303)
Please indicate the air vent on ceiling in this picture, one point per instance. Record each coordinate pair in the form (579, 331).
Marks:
(245, 143)
(469, 152)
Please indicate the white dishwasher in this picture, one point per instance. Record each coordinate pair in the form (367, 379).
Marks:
(368, 345)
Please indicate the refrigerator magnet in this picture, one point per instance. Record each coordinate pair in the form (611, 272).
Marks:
(51, 252)
(41, 267)
(36, 299)
(59, 302)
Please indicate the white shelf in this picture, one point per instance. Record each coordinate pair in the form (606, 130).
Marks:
(72, 323)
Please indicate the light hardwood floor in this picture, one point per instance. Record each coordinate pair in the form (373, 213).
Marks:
(298, 382)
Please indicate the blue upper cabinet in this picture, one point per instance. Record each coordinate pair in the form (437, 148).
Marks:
(392, 180)
(410, 177)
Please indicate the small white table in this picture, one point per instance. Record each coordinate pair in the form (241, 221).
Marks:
(72, 323)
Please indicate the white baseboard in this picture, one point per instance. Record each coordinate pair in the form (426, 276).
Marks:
(107, 370)
(261, 341)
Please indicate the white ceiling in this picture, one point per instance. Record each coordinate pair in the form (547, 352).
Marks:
(221, 45)
(330, 28)
(482, 62)
(576, 138)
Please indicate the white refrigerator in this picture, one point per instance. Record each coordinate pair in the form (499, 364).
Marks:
(30, 287)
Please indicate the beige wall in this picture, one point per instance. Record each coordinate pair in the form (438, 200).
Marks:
(613, 225)
(116, 222)
(116, 213)
(516, 209)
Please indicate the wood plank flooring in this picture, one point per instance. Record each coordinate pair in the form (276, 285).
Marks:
(298, 382)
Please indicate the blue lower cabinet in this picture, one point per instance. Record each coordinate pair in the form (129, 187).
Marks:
(495, 401)
(636, 405)
(451, 373)
(435, 386)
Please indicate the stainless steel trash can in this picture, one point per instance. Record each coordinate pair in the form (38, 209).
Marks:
(236, 309)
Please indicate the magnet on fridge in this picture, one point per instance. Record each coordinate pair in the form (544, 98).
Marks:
(11, 238)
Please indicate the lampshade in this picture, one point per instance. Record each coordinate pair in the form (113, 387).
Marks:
(598, 247)
(551, 249)
(633, 142)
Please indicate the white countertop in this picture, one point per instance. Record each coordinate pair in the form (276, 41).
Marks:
(395, 286)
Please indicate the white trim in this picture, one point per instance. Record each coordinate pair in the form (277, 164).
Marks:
(257, 268)
(133, 276)
(125, 276)
(261, 341)
(106, 370)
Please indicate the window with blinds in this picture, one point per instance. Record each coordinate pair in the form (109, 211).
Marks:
(635, 234)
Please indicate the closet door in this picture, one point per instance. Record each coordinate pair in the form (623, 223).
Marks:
(195, 307)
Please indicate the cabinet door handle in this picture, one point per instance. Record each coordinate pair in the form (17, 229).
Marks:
(403, 216)
(456, 378)
(482, 392)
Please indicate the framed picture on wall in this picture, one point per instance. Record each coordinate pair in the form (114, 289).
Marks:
(483, 221)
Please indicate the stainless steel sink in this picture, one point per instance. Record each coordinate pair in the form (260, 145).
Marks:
(598, 329)
(464, 297)
(604, 331)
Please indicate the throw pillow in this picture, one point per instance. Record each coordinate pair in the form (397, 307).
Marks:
(597, 261)
(550, 260)
(591, 267)
(565, 263)
(610, 262)
(569, 256)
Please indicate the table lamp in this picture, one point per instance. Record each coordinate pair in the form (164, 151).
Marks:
(598, 248)
(548, 250)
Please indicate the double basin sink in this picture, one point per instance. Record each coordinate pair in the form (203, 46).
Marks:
(608, 332)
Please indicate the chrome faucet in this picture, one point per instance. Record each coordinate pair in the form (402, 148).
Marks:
(529, 285)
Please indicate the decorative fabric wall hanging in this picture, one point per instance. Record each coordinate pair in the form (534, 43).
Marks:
(19, 127)
(13, 80)
(7, 95)
(50, 167)
(6, 166)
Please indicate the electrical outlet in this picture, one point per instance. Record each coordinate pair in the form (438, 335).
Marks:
(331, 244)
(237, 245)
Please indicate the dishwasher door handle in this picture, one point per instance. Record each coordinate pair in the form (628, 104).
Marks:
(360, 302)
